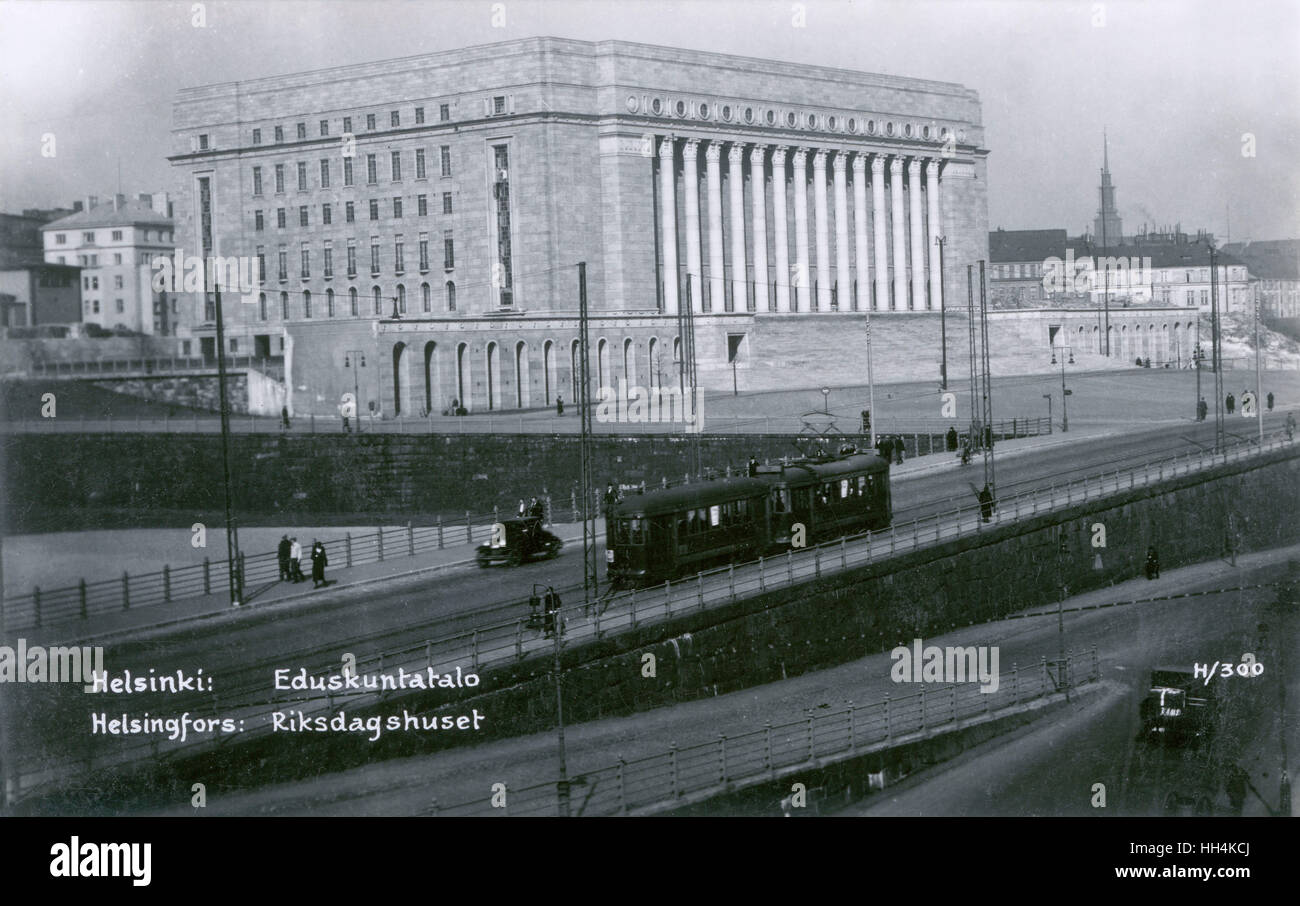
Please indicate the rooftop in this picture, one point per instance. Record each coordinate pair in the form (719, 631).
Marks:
(129, 213)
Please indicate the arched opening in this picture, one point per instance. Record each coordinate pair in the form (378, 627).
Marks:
(352, 301)
(426, 298)
(430, 377)
(523, 384)
(629, 363)
(653, 363)
(602, 366)
(329, 302)
(284, 306)
(401, 299)
(464, 384)
(401, 388)
(451, 296)
(548, 371)
(493, 376)
(306, 303)
(261, 306)
(575, 373)
(378, 300)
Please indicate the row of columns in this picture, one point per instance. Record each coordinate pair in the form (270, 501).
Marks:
(924, 266)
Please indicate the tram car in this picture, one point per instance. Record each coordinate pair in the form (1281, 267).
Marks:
(679, 531)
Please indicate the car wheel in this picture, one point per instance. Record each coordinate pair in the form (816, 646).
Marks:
(515, 559)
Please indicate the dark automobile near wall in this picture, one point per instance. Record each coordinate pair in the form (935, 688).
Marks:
(1178, 706)
(521, 540)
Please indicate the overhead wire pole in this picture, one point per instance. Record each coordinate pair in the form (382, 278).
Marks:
(943, 328)
(689, 375)
(1216, 352)
(976, 435)
(1259, 374)
(871, 382)
(986, 386)
(233, 571)
(590, 576)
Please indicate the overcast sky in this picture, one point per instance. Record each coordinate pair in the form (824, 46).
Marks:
(1177, 83)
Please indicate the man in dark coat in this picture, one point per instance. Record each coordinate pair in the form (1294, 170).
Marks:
(753, 466)
(898, 450)
(559, 405)
(1231, 402)
(1153, 563)
(1202, 409)
(951, 439)
(283, 553)
(318, 564)
(1269, 398)
(284, 417)
(885, 447)
(986, 503)
(536, 510)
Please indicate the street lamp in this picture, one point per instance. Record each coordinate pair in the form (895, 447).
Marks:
(355, 359)
(1065, 414)
(553, 622)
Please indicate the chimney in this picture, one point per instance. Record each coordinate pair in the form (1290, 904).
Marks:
(76, 207)
(119, 202)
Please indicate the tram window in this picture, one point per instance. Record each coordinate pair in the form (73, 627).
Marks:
(844, 487)
(620, 532)
(635, 531)
(781, 500)
(715, 515)
(862, 484)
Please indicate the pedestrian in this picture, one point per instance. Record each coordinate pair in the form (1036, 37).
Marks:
(559, 405)
(1153, 563)
(753, 466)
(523, 510)
(951, 439)
(1290, 425)
(347, 427)
(284, 417)
(536, 510)
(986, 503)
(1231, 403)
(282, 552)
(611, 497)
(898, 450)
(295, 560)
(318, 564)
(1270, 401)
(1202, 408)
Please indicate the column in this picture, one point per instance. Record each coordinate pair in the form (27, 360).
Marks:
(780, 234)
(936, 230)
(878, 216)
(824, 277)
(918, 235)
(860, 232)
(900, 237)
(758, 196)
(800, 280)
(668, 207)
(691, 185)
(844, 291)
(736, 168)
(717, 292)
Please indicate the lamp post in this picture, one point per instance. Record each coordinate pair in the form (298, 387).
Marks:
(943, 329)
(551, 619)
(1048, 397)
(355, 359)
(1216, 358)
(1065, 412)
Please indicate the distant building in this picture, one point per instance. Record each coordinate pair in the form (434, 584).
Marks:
(20, 236)
(1107, 227)
(1275, 264)
(115, 243)
(39, 294)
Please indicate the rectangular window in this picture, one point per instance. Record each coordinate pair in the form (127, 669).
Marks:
(284, 264)
(374, 209)
(347, 124)
(324, 127)
(446, 202)
(498, 105)
(261, 265)
(444, 112)
(424, 252)
(302, 216)
(347, 171)
(279, 134)
(203, 141)
(257, 136)
(259, 223)
(448, 251)
(117, 281)
(117, 235)
(419, 163)
(117, 259)
(302, 131)
(61, 238)
(326, 214)
(329, 260)
(349, 212)
(370, 122)
(394, 119)
(399, 254)
(88, 238)
(422, 205)
(279, 179)
(302, 176)
(374, 255)
(397, 207)
(444, 156)
(352, 258)
(419, 115)
(279, 218)
(306, 262)
(324, 174)
(372, 170)
(121, 306)
(397, 166)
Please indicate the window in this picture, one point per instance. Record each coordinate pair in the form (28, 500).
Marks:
(399, 254)
(261, 265)
(394, 119)
(352, 259)
(329, 302)
(397, 207)
(302, 131)
(370, 122)
(117, 258)
(302, 215)
(451, 296)
(259, 223)
(374, 209)
(261, 306)
(279, 134)
(419, 115)
(374, 255)
(329, 259)
(284, 306)
(347, 124)
(284, 265)
(95, 305)
(424, 252)
(419, 163)
(279, 179)
(121, 306)
(88, 238)
(61, 238)
(426, 298)
(257, 180)
(117, 281)
(349, 212)
(306, 303)
(352, 301)
(444, 156)
(422, 205)
(372, 170)
(444, 112)
(306, 262)
(279, 218)
(498, 105)
(448, 252)
(257, 136)
(203, 141)
(347, 171)
(401, 299)
(446, 202)
(117, 236)
(324, 127)
(326, 214)
(325, 174)
(397, 166)
(377, 300)
(302, 176)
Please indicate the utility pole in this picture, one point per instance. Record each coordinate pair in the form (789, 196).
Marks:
(1216, 351)
(1259, 374)
(986, 383)
(590, 574)
(976, 433)
(234, 572)
(871, 380)
(943, 331)
(553, 617)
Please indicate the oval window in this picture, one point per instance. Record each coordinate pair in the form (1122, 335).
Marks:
(853, 125)
(830, 123)
(631, 103)
(681, 108)
(657, 106)
(771, 117)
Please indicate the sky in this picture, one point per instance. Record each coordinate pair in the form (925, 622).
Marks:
(1200, 98)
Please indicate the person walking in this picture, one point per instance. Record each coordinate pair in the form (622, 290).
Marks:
(318, 564)
(282, 553)
(536, 510)
(1290, 425)
(753, 466)
(1153, 563)
(1202, 409)
(295, 560)
(284, 417)
(951, 439)
(986, 503)
(1269, 398)
(898, 449)
(1231, 403)
(523, 510)
(559, 405)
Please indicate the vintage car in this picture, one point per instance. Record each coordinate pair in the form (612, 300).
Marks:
(522, 539)
(1178, 706)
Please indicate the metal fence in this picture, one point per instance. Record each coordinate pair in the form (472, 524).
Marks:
(159, 366)
(662, 781)
(492, 644)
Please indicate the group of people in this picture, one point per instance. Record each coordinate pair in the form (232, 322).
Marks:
(890, 448)
(1229, 403)
(290, 555)
(534, 509)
